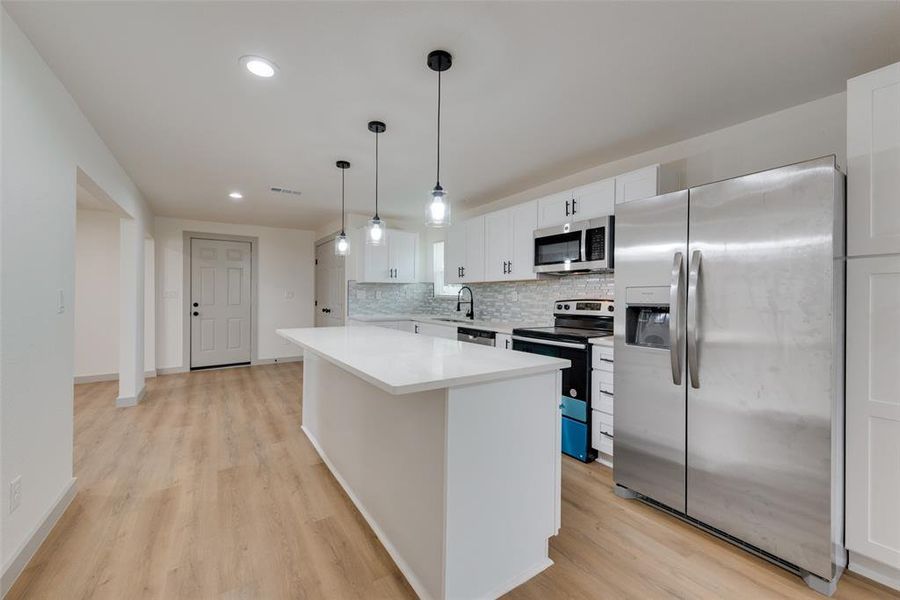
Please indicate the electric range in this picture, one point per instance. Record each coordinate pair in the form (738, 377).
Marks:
(575, 323)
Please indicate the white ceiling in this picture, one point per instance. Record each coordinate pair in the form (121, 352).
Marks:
(537, 90)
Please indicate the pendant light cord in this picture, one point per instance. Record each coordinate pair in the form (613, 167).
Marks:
(439, 130)
(342, 201)
(376, 174)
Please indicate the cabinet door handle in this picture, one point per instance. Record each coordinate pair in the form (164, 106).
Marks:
(463, 271)
(573, 206)
(504, 267)
(507, 344)
(567, 208)
(509, 267)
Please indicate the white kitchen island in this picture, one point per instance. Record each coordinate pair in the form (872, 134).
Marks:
(450, 451)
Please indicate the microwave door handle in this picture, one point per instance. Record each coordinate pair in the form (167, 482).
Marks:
(692, 323)
(584, 242)
(676, 298)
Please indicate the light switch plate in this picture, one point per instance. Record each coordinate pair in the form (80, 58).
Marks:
(15, 493)
(288, 295)
(60, 301)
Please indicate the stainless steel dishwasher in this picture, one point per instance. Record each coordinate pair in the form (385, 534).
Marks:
(476, 336)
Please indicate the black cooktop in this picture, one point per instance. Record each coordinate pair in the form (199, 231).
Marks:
(565, 334)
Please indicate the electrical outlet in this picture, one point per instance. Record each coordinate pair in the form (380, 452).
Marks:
(288, 295)
(513, 296)
(378, 294)
(15, 493)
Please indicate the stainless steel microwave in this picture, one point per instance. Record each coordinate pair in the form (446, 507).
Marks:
(574, 247)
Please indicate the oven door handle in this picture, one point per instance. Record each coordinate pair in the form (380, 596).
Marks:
(550, 342)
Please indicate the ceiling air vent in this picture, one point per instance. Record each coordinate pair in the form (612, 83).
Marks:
(279, 190)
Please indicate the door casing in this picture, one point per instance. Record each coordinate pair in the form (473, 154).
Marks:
(186, 290)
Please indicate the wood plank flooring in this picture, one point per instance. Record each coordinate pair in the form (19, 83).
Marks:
(209, 490)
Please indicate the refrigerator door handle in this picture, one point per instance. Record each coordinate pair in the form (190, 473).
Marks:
(676, 297)
(693, 284)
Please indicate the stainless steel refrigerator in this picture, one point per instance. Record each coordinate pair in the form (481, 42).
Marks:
(729, 361)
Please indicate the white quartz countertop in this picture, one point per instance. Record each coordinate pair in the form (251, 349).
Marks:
(495, 326)
(606, 340)
(401, 363)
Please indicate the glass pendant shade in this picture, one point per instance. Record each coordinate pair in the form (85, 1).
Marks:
(341, 245)
(376, 231)
(438, 210)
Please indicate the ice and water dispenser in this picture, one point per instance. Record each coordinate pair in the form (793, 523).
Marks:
(647, 317)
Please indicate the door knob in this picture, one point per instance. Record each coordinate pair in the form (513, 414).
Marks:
(196, 313)
(196, 305)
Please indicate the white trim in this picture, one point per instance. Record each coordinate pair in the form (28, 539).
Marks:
(125, 402)
(272, 361)
(520, 579)
(382, 537)
(107, 377)
(171, 370)
(874, 570)
(24, 553)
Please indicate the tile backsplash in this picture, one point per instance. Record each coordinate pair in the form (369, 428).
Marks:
(509, 301)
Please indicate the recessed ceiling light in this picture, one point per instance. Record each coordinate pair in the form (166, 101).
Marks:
(259, 66)
(235, 195)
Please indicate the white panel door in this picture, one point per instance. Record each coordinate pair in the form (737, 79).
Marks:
(873, 408)
(455, 253)
(220, 302)
(523, 223)
(473, 268)
(330, 286)
(873, 157)
(594, 200)
(497, 245)
(643, 183)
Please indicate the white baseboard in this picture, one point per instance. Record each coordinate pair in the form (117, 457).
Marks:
(272, 361)
(874, 570)
(108, 377)
(23, 554)
(171, 370)
(96, 378)
(126, 401)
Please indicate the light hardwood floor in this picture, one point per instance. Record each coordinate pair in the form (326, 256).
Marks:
(209, 490)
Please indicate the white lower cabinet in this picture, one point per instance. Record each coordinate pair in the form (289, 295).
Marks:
(441, 331)
(602, 425)
(503, 341)
(873, 412)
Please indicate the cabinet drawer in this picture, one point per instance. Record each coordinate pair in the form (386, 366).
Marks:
(600, 355)
(601, 441)
(603, 422)
(603, 402)
(602, 381)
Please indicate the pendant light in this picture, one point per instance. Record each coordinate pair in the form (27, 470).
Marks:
(341, 243)
(376, 229)
(437, 213)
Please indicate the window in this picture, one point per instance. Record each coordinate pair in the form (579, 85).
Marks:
(441, 288)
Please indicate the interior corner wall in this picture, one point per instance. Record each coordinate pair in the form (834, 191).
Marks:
(286, 287)
(96, 303)
(46, 140)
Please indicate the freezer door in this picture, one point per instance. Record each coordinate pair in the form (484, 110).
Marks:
(763, 358)
(651, 267)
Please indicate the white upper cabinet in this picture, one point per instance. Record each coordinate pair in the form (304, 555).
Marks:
(392, 262)
(555, 209)
(464, 252)
(586, 202)
(509, 243)
(402, 249)
(643, 183)
(594, 200)
(873, 162)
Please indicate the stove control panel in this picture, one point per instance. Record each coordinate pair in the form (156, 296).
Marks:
(585, 307)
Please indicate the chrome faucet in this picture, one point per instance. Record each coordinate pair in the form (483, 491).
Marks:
(471, 302)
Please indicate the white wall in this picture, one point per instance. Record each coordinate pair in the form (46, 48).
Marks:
(45, 139)
(96, 293)
(286, 265)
